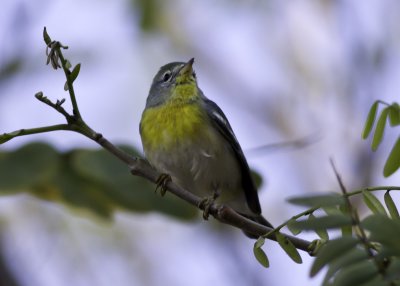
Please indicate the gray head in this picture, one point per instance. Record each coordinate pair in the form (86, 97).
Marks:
(166, 80)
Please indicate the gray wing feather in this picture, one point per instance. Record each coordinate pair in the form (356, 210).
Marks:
(221, 123)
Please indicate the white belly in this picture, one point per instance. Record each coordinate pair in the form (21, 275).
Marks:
(203, 168)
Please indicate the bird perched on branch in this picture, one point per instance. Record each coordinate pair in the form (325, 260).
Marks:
(188, 139)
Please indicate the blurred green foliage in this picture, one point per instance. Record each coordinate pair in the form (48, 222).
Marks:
(149, 13)
(368, 254)
(391, 113)
(9, 69)
(91, 180)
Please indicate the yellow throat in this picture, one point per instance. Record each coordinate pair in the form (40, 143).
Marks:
(178, 119)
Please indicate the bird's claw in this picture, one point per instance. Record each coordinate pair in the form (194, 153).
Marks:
(206, 204)
(162, 182)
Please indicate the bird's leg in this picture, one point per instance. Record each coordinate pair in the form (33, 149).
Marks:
(162, 182)
(206, 203)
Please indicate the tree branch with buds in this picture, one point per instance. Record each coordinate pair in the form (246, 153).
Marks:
(136, 165)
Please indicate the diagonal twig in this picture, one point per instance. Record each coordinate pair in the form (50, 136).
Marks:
(137, 166)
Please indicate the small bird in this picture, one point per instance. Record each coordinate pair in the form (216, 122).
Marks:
(188, 138)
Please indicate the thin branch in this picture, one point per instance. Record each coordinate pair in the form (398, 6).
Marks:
(357, 223)
(29, 131)
(373, 189)
(222, 213)
(291, 145)
(137, 166)
(71, 91)
(54, 56)
(293, 218)
(228, 216)
(140, 167)
(57, 106)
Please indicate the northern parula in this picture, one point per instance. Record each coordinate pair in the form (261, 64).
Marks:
(188, 137)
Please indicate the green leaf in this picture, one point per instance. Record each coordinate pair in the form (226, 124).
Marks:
(75, 72)
(331, 210)
(356, 274)
(346, 229)
(369, 122)
(322, 233)
(73, 190)
(318, 200)
(292, 228)
(392, 272)
(314, 247)
(391, 206)
(349, 257)
(289, 248)
(325, 222)
(46, 37)
(29, 165)
(384, 230)
(378, 280)
(260, 242)
(332, 250)
(373, 203)
(380, 127)
(149, 14)
(394, 114)
(393, 161)
(10, 67)
(126, 191)
(67, 64)
(259, 253)
(91, 181)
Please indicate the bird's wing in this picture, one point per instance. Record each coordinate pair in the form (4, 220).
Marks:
(221, 123)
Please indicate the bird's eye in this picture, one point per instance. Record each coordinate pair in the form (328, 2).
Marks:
(166, 76)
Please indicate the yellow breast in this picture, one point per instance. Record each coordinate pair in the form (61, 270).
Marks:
(180, 119)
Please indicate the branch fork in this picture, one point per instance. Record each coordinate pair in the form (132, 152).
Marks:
(137, 166)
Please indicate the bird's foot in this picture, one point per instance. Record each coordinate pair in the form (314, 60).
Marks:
(162, 182)
(206, 204)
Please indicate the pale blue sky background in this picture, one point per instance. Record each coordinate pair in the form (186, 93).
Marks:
(280, 70)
